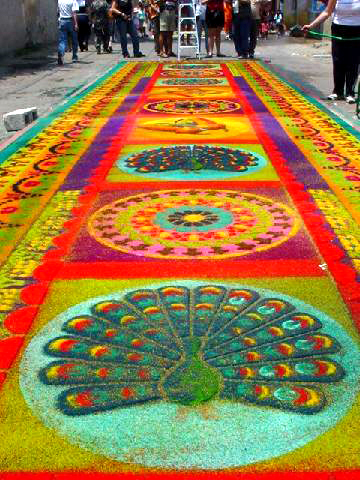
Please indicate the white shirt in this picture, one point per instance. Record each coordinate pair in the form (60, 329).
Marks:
(347, 12)
(67, 7)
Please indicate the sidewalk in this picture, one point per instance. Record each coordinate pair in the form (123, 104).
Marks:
(33, 78)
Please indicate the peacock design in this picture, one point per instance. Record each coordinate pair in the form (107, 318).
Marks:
(190, 345)
(191, 66)
(188, 82)
(193, 158)
(203, 73)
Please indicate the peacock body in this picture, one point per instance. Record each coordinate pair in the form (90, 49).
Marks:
(190, 345)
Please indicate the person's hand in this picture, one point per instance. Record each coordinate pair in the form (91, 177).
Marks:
(76, 28)
(305, 28)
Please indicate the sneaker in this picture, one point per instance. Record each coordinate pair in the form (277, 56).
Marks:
(335, 96)
(350, 99)
(60, 59)
(139, 55)
(209, 55)
(98, 50)
(75, 60)
(220, 55)
(251, 55)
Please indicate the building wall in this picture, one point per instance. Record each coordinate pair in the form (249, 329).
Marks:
(296, 12)
(301, 12)
(27, 22)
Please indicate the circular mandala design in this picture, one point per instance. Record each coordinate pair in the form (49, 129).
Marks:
(204, 73)
(191, 66)
(144, 225)
(103, 372)
(193, 106)
(193, 219)
(179, 161)
(192, 81)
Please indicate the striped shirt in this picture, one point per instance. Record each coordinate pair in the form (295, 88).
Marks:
(347, 12)
(66, 8)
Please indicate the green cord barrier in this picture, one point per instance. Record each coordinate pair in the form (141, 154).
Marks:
(331, 36)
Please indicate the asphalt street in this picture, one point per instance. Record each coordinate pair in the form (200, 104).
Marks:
(32, 78)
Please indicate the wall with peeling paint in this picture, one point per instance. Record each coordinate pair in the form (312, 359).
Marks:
(27, 22)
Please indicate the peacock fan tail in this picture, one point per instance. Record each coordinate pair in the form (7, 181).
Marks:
(189, 346)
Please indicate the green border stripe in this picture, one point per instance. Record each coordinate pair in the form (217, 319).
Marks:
(46, 121)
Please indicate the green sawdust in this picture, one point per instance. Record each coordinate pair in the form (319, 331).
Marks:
(193, 381)
(28, 445)
(20, 265)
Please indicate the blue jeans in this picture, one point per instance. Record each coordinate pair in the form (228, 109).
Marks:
(201, 25)
(65, 27)
(241, 34)
(127, 27)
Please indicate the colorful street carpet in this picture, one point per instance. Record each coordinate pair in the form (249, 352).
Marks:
(179, 292)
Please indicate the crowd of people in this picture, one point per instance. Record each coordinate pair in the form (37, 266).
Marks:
(243, 21)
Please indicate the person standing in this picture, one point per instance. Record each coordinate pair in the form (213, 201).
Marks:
(200, 10)
(122, 9)
(254, 26)
(241, 27)
(228, 19)
(111, 26)
(345, 53)
(142, 18)
(279, 24)
(167, 27)
(153, 12)
(101, 22)
(84, 24)
(68, 24)
(215, 20)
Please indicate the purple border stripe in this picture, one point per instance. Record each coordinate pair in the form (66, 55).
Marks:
(141, 85)
(296, 160)
(79, 175)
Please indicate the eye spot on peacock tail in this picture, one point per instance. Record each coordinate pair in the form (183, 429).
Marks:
(189, 346)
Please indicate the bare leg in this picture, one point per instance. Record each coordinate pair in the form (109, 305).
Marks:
(170, 42)
(162, 43)
(166, 43)
(218, 39)
(211, 40)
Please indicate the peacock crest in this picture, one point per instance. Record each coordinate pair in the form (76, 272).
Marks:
(189, 346)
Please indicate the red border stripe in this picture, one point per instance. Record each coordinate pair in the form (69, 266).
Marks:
(216, 475)
(185, 268)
